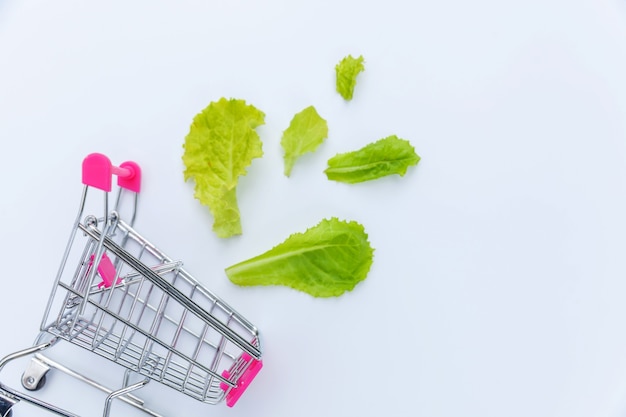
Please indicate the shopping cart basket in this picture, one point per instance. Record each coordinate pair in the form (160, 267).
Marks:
(117, 295)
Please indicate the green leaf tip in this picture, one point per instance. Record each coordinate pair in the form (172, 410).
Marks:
(325, 261)
(221, 144)
(346, 72)
(305, 133)
(388, 156)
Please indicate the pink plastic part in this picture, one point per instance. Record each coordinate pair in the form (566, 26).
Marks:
(244, 380)
(132, 181)
(98, 172)
(106, 270)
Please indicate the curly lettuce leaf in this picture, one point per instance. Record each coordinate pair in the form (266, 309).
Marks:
(305, 133)
(221, 144)
(346, 72)
(325, 261)
(387, 156)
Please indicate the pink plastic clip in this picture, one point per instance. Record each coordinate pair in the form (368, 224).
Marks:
(106, 270)
(98, 172)
(244, 380)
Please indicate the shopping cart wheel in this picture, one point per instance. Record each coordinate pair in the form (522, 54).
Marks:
(34, 378)
(32, 385)
(6, 405)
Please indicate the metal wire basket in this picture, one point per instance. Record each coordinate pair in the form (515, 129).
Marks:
(118, 296)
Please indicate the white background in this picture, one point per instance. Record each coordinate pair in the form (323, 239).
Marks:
(499, 281)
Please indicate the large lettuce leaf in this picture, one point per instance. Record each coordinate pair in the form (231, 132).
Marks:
(305, 133)
(221, 144)
(387, 156)
(326, 260)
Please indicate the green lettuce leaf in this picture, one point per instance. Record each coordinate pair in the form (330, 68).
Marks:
(305, 133)
(387, 156)
(221, 144)
(326, 260)
(346, 71)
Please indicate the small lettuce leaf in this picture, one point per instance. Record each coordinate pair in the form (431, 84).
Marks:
(346, 71)
(325, 261)
(221, 144)
(387, 156)
(305, 133)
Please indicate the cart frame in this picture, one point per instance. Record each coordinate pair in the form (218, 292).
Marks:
(129, 302)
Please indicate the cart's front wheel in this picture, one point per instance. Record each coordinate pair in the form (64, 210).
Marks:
(34, 378)
(33, 385)
(6, 406)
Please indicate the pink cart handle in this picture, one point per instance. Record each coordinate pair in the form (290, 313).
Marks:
(98, 172)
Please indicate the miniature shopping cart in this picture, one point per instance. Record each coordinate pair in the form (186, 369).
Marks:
(120, 297)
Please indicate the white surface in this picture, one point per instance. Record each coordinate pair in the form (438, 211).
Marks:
(499, 278)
